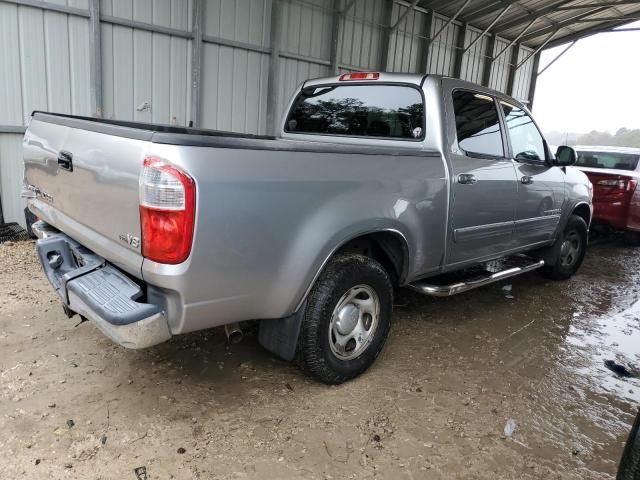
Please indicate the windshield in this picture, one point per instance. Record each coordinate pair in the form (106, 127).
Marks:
(383, 111)
(618, 161)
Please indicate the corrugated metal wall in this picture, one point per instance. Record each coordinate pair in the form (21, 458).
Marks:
(146, 75)
(146, 60)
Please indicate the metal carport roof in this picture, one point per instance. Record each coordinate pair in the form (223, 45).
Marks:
(539, 23)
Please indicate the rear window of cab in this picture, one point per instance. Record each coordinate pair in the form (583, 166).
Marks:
(394, 112)
(614, 160)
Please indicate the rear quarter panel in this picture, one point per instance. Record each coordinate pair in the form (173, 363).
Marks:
(267, 220)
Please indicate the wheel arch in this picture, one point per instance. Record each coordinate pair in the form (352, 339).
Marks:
(583, 210)
(387, 245)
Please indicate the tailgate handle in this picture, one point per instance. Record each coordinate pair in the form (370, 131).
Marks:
(65, 161)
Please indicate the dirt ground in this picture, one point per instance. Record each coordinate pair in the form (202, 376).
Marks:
(526, 355)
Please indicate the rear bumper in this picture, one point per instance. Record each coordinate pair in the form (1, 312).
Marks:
(88, 285)
(613, 214)
(617, 215)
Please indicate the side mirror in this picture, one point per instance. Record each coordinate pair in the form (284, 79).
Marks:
(565, 156)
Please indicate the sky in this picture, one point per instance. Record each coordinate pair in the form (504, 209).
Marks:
(594, 86)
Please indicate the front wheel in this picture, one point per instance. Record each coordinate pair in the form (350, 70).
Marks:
(347, 319)
(565, 256)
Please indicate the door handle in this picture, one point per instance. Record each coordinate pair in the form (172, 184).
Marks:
(65, 161)
(527, 179)
(467, 179)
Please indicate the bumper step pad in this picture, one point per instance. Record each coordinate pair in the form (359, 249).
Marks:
(110, 294)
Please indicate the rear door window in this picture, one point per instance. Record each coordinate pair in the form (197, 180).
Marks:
(379, 111)
(477, 124)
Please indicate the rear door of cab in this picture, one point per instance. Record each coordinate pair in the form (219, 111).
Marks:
(483, 180)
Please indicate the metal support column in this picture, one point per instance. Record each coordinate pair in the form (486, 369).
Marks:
(335, 34)
(384, 44)
(515, 51)
(196, 62)
(423, 57)
(273, 85)
(459, 51)
(95, 55)
(488, 60)
(534, 79)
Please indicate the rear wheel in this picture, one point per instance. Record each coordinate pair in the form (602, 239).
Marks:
(347, 319)
(565, 256)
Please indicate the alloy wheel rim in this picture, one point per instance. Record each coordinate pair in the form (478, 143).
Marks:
(570, 250)
(354, 322)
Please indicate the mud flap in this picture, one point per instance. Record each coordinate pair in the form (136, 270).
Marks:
(280, 335)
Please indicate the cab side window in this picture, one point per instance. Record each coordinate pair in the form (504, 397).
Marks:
(526, 141)
(477, 124)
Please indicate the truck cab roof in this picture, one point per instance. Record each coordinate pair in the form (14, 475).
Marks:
(381, 77)
(417, 79)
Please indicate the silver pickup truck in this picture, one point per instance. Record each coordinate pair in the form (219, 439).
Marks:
(376, 180)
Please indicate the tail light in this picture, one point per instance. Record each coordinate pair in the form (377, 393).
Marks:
(626, 184)
(167, 211)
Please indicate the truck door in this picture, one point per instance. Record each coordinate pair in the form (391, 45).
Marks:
(483, 179)
(540, 186)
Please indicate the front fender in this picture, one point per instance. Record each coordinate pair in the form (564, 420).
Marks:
(578, 191)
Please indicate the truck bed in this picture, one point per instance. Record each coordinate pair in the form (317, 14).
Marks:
(269, 211)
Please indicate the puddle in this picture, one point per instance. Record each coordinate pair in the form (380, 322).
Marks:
(615, 337)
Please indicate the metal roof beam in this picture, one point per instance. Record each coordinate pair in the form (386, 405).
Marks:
(487, 9)
(587, 32)
(557, 57)
(535, 15)
(404, 15)
(486, 30)
(537, 50)
(514, 41)
(450, 21)
(608, 19)
(596, 5)
(563, 23)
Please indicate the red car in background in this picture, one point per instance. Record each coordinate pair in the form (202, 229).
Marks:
(614, 173)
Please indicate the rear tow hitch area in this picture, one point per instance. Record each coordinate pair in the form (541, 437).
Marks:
(484, 274)
(96, 290)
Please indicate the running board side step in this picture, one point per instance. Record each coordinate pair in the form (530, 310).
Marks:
(476, 281)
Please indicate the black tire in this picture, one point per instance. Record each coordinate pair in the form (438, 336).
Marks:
(632, 238)
(560, 265)
(343, 274)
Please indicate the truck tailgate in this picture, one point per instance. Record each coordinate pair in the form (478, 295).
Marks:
(85, 183)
